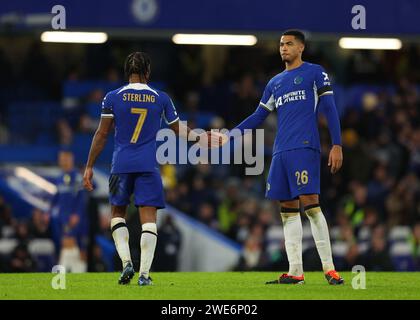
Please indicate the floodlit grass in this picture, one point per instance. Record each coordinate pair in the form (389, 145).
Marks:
(209, 286)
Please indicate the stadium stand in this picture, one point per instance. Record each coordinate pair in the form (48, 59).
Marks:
(381, 132)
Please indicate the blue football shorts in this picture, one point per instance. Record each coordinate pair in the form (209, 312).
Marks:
(294, 173)
(146, 186)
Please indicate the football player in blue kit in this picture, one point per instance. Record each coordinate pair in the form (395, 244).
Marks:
(297, 95)
(136, 111)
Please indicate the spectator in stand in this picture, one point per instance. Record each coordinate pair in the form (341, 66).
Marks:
(379, 187)
(64, 133)
(400, 202)
(88, 118)
(21, 260)
(357, 158)
(6, 218)
(377, 258)
(245, 98)
(415, 245)
(39, 224)
(352, 258)
(254, 256)
(228, 209)
(353, 204)
(97, 263)
(207, 215)
(4, 131)
(168, 246)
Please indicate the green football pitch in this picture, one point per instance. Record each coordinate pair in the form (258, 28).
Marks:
(208, 286)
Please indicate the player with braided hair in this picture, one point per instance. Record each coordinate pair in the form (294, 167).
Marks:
(136, 110)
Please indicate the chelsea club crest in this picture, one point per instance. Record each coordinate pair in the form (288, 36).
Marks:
(298, 80)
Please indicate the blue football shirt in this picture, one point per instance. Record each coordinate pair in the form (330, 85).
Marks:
(137, 110)
(294, 95)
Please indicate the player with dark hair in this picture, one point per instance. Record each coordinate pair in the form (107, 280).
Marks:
(297, 94)
(136, 110)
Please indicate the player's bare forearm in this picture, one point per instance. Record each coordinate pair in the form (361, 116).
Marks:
(180, 129)
(99, 140)
(205, 139)
(328, 108)
(98, 144)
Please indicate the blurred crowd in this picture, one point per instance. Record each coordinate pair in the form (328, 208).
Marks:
(20, 260)
(377, 189)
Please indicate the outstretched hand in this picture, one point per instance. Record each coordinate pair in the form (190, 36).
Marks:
(335, 159)
(212, 139)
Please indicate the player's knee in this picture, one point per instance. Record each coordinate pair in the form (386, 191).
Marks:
(312, 210)
(289, 204)
(147, 214)
(287, 212)
(118, 211)
(309, 199)
(118, 215)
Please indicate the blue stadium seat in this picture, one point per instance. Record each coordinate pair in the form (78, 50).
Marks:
(108, 251)
(21, 117)
(202, 119)
(399, 233)
(45, 138)
(43, 252)
(353, 95)
(93, 110)
(81, 89)
(401, 256)
(160, 85)
(78, 89)
(339, 251)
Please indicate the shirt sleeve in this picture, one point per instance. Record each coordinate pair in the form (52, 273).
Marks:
(328, 108)
(322, 82)
(267, 99)
(254, 120)
(107, 110)
(169, 112)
